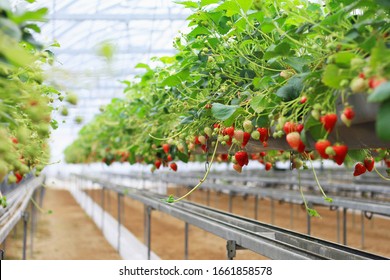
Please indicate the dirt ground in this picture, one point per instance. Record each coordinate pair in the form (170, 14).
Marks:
(70, 234)
(66, 234)
(203, 245)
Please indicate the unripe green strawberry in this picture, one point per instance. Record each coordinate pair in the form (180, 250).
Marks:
(71, 98)
(208, 131)
(255, 135)
(358, 85)
(248, 127)
(202, 140)
(329, 151)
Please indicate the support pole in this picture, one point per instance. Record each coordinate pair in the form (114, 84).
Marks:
(362, 226)
(345, 226)
(33, 224)
(231, 195)
(119, 221)
(186, 241)
(291, 215)
(25, 217)
(231, 249)
(102, 198)
(272, 211)
(148, 211)
(338, 226)
(1, 254)
(256, 206)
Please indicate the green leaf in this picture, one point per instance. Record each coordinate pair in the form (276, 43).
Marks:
(357, 155)
(245, 4)
(199, 30)
(300, 64)
(282, 49)
(37, 15)
(183, 157)
(333, 76)
(384, 3)
(291, 90)
(343, 59)
(208, 2)
(382, 121)
(230, 7)
(223, 112)
(188, 4)
(142, 65)
(380, 94)
(312, 212)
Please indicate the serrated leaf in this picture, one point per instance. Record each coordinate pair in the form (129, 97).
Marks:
(188, 4)
(357, 155)
(223, 112)
(312, 212)
(291, 89)
(333, 76)
(245, 4)
(382, 121)
(381, 93)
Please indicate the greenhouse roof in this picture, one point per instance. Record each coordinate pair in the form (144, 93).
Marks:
(136, 31)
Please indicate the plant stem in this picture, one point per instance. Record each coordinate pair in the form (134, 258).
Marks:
(204, 177)
(316, 178)
(380, 175)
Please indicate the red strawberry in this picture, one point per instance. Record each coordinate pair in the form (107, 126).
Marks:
(196, 141)
(299, 127)
(169, 158)
(369, 163)
(224, 157)
(374, 82)
(204, 148)
(263, 134)
(166, 148)
(321, 146)
(237, 167)
(18, 176)
(229, 131)
(157, 163)
(239, 135)
(173, 166)
(341, 152)
(359, 169)
(263, 154)
(349, 113)
(268, 166)
(241, 158)
(294, 140)
(303, 100)
(14, 140)
(289, 127)
(329, 122)
(245, 141)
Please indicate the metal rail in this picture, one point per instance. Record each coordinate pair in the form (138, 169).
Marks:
(264, 239)
(18, 201)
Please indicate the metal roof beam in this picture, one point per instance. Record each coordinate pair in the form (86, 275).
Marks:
(130, 50)
(116, 17)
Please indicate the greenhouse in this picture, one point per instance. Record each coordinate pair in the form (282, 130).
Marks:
(195, 130)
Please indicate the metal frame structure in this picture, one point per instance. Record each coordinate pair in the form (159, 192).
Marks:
(267, 240)
(260, 187)
(18, 201)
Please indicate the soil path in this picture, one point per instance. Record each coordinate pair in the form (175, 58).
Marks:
(66, 234)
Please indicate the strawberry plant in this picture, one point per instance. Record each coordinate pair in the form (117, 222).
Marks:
(250, 75)
(26, 102)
